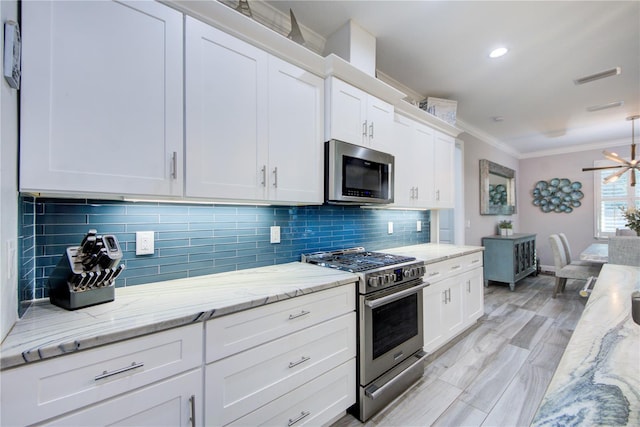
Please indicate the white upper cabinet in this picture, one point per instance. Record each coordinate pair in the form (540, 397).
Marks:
(253, 122)
(226, 122)
(296, 108)
(101, 98)
(424, 160)
(443, 167)
(358, 118)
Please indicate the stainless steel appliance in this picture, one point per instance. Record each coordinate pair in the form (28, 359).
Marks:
(85, 274)
(357, 175)
(390, 322)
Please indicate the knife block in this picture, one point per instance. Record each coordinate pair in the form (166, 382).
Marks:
(73, 285)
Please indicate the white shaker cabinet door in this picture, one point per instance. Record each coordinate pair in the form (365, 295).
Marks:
(423, 168)
(444, 181)
(347, 113)
(226, 117)
(101, 98)
(296, 110)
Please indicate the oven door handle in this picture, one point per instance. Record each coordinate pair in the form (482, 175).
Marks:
(394, 297)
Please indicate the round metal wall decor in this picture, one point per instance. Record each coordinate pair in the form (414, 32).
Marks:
(557, 195)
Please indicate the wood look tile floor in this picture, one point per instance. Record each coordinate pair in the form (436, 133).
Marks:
(496, 373)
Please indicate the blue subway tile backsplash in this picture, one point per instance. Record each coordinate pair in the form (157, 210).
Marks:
(193, 240)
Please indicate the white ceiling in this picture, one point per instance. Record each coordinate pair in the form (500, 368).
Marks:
(440, 49)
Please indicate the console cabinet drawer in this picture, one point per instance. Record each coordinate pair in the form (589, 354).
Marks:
(41, 390)
(236, 332)
(244, 382)
(314, 403)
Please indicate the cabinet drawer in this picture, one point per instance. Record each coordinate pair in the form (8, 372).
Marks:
(167, 403)
(315, 403)
(443, 269)
(41, 390)
(239, 331)
(244, 382)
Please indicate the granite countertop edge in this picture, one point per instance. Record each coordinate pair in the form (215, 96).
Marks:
(47, 331)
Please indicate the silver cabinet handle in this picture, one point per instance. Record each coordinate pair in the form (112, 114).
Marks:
(192, 406)
(444, 295)
(364, 128)
(468, 286)
(449, 292)
(438, 195)
(455, 267)
(302, 313)
(412, 193)
(264, 175)
(302, 415)
(106, 374)
(417, 196)
(475, 261)
(275, 177)
(371, 130)
(435, 273)
(302, 360)
(174, 165)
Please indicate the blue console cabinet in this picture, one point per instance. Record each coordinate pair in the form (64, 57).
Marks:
(509, 258)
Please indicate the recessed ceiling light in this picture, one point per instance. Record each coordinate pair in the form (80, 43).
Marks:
(496, 53)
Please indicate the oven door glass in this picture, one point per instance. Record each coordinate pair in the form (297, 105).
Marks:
(389, 332)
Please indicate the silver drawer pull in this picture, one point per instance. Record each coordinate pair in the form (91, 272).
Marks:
(474, 261)
(455, 267)
(106, 374)
(302, 313)
(302, 360)
(192, 408)
(435, 273)
(302, 415)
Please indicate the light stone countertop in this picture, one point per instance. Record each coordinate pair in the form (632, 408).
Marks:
(597, 381)
(47, 331)
(434, 252)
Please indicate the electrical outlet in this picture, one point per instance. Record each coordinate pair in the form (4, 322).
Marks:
(390, 227)
(275, 234)
(144, 243)
(418, 225)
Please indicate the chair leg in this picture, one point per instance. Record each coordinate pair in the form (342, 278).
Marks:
(558, 286)
(564, 283)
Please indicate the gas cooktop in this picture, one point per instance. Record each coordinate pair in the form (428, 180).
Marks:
(354, 260)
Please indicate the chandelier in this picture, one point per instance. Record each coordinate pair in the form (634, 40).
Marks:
(624, 165)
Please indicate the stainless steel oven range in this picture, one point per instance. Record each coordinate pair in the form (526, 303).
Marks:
(390, 322)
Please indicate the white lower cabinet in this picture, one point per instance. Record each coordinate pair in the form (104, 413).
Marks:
(173, 402)
(297, 372)
(454, 300)
(86, 387)
(314, 403)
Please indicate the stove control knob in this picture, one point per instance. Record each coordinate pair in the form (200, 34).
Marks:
(405, 273)
(394, 277)
(374, 281)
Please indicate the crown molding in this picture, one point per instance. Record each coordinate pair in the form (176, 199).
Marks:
(485, 137)
(575, 149)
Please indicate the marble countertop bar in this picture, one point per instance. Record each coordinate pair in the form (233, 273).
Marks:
(434, 252)
(47, 330)
(598, 379)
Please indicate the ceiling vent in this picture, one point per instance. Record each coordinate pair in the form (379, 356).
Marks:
(605, 106)
(598, 76)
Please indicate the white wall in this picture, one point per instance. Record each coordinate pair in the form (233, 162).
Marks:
(484, 225)
(8, 189)
(579, 225)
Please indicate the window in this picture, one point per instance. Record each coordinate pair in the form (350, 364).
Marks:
(610, 197)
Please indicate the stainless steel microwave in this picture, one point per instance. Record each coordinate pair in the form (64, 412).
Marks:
(357, 175)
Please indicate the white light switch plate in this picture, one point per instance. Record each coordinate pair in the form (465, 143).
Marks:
(144, 243)
(275, 234)
(418, 225)
(390, 227)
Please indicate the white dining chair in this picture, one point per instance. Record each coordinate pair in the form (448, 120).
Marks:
(624, 250)
(564, 270)
(625, 232)
(569, 256)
